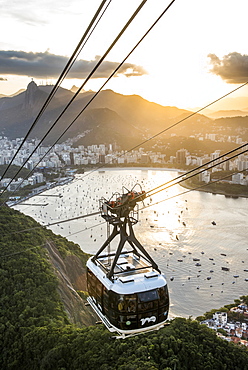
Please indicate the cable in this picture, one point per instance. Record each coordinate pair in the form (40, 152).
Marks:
(215, 162)
(62, 76)
(148, 193)
(181, 121)
(147, 206)
(168, 128)
(78, 91)
(94, 96)
(87, 228)
(196, 188)
(202, 170)
(168, 183)
(189, 116)
(157, 135)
(201, 166)
(176, 122)
(54, 223)
(28, 249)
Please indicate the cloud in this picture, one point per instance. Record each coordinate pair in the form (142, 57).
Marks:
(47, 65)
(33, 12)
(232, 68)
(3, 79)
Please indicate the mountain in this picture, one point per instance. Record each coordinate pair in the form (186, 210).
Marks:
(239, 103)
(110, 117)
(52, 271)
(233, 125)
(9, 96)
(16, 93)
(74, 89)
(228, 113)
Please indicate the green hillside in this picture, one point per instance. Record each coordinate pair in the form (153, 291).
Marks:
(36, 332)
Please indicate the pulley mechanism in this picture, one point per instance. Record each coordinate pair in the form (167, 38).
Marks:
(121, 205)
(121, 211)
(126, 289)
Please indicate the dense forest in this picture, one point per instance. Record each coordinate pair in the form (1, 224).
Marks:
(36, 333)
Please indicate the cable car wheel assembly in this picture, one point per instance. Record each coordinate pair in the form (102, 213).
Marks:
(126, 289)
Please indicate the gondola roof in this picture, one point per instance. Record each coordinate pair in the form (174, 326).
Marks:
(132, 274)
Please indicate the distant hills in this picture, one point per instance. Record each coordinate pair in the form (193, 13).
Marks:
(110, 118)
(9, 96)
(228, 113)
(228, 104)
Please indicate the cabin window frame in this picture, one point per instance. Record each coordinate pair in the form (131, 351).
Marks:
(137, 310)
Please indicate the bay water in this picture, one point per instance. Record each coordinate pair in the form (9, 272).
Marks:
(192, 235)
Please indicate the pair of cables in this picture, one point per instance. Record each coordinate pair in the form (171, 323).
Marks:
(101, 223)
(195, 172)
(211, 164)
(198, 170)
(133, 148)
(63, 75)
(170, 127)
(194, 188)
(93, 97)
(160, 131)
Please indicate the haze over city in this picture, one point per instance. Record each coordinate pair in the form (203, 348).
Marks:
(196, 53)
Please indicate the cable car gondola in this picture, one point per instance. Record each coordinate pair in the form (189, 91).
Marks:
(126, 289)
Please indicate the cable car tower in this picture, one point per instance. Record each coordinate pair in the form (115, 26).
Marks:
(126, 289)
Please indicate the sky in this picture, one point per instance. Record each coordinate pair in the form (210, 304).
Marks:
(196, 53)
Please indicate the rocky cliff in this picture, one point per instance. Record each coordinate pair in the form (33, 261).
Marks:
(72, 278)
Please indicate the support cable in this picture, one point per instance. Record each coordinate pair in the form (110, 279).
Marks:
(78, 91)
(187, 191)
(55, 223)
(155, 190)
(214, 162)
(195, 188)
(62, 76)
(202, 166)
(168, 128)
(189, 117)
(94, 96)
(44, 245)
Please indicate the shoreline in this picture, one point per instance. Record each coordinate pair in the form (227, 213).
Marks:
(136, 168)
(225, 193)
(191, 238)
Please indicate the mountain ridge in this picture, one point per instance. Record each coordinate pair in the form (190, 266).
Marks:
(228, 113)
(111, 117)
(143, 116)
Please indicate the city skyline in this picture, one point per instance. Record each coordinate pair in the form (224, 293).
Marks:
(65, 155)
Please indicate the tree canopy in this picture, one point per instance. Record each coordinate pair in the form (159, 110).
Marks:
(36, 333)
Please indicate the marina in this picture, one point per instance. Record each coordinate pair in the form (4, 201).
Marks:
(176, 232)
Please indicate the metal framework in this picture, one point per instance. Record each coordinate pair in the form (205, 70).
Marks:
(122, 213)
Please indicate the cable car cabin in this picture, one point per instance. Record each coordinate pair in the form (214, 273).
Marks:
(135, 301)
(126, 289)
